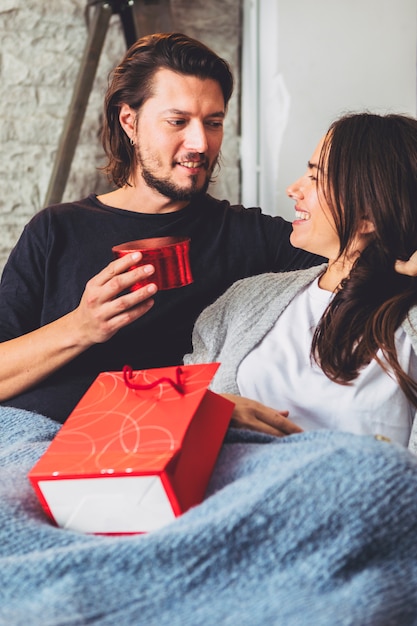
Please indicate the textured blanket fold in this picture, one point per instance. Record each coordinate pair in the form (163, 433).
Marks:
(314, 529)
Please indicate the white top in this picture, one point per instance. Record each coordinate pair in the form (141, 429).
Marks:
(280, 374)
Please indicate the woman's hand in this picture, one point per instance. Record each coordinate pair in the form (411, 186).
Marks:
(253, 415)
(409, 268)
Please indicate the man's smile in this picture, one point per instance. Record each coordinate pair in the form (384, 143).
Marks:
(191, 164)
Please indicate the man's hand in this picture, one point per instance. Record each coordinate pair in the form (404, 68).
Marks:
(409, 268)
(107, 305)
(253, 415)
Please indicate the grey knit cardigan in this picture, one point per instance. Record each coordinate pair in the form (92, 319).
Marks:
(232, 326)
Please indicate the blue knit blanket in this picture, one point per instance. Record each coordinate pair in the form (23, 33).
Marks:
(314, 529)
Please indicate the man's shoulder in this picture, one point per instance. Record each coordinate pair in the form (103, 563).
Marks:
(239, 211)
(63, 213)
(89, 202)
(66, 207)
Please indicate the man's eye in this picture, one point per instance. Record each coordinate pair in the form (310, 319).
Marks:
(176, 122)
(215, 123)
(311, 177)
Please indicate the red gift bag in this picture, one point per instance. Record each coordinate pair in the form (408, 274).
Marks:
(137, 451)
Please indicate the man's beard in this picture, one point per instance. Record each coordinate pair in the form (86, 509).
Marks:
(169, 189)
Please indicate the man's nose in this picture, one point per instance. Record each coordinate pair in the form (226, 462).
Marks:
(196, 138)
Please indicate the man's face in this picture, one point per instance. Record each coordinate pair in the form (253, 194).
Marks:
(179, 135)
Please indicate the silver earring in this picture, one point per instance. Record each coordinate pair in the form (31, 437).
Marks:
(132, 142)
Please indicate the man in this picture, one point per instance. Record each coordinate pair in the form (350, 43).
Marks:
(66, 312)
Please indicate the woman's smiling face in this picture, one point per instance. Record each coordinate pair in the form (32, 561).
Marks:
(314, 228)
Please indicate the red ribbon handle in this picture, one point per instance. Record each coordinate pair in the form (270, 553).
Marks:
(178, 385)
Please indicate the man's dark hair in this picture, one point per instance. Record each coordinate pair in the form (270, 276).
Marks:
(132, 80)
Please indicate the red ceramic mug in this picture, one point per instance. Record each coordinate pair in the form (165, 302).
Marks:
(169, 256)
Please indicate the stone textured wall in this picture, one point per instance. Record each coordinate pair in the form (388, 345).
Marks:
(41, 49)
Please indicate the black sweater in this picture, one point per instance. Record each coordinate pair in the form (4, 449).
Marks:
(63, 246)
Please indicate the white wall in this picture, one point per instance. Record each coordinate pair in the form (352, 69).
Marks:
(315, 61)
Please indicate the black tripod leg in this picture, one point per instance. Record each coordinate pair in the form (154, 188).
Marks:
(152, 16)
(78, 105)
(141, 17)
(128, 24)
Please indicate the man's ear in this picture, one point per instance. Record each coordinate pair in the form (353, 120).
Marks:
(127, 119)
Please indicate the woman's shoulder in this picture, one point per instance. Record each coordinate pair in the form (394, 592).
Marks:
(261, 289)
(279, 280)
(410, 323)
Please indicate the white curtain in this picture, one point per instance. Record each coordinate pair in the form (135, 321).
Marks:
(265, 105)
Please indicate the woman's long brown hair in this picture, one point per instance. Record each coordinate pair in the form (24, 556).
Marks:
(370, 165)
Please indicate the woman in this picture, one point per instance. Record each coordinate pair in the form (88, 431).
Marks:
(335, 346)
